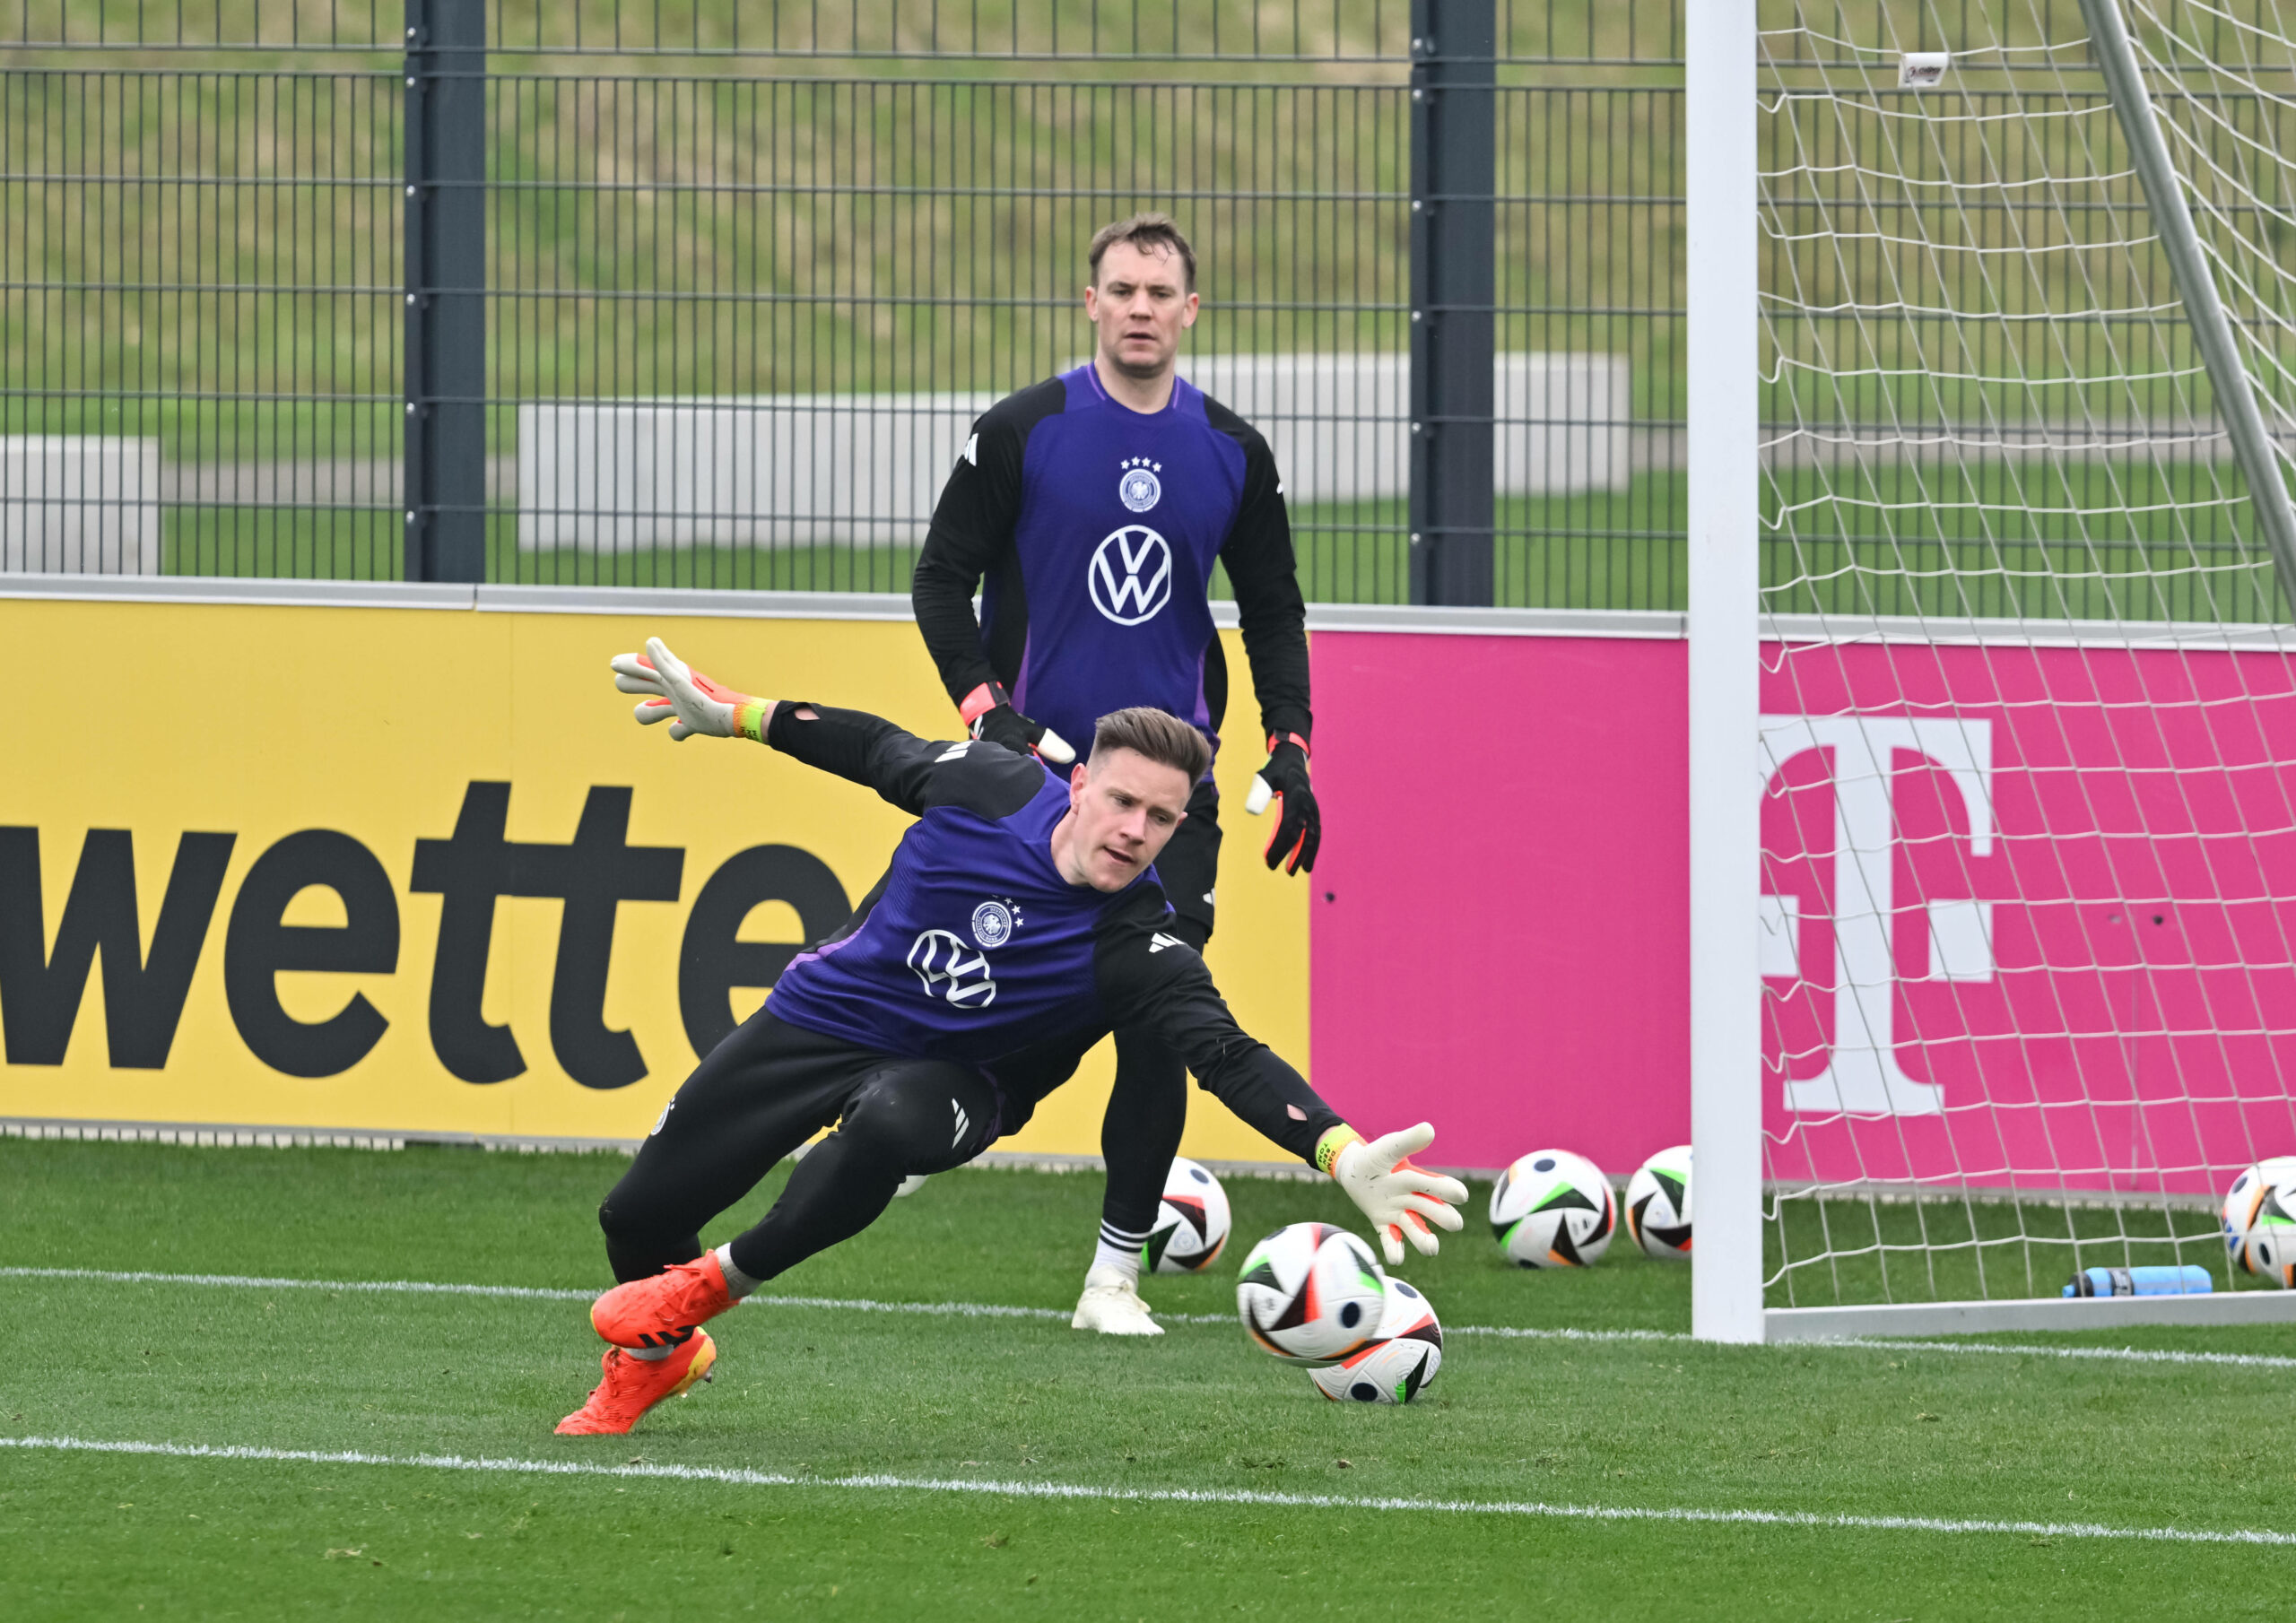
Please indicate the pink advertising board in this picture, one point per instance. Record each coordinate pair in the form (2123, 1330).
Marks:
(2027, 911)
(1499, 938)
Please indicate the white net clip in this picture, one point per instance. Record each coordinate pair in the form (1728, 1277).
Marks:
(1923, 70)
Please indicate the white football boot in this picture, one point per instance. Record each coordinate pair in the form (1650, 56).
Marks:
(1111, 1304)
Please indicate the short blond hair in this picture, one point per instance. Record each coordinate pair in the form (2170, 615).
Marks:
(1144, 231)
(1158, 735)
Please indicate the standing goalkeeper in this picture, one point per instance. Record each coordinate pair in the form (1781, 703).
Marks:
(1088, 511)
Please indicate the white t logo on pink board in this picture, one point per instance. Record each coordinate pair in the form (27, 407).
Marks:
(1862, 1075)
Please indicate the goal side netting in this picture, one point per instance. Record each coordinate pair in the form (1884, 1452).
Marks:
(2028, 686)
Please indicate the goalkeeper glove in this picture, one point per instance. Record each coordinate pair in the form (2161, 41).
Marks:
(1300, 825)
(1399, 1198)
(687, 700)
(988, 709)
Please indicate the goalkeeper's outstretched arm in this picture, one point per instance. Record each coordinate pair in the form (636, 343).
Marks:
(908, 771)
(1153, 977)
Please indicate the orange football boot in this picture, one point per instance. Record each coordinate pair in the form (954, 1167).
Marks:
(658, 1312)
(628, 1387)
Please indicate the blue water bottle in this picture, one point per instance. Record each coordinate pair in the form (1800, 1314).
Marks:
(2188, 1280)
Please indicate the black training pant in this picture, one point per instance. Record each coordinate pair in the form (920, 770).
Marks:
(1148, 1107)
(759, 1095)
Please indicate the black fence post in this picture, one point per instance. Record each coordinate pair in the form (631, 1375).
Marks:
(446, 290)
(1454, 181)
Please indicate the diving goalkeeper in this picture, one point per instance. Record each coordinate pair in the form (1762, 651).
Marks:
(1020, 921)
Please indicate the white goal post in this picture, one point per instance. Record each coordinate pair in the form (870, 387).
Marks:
(1992, 684)
(1724, 578)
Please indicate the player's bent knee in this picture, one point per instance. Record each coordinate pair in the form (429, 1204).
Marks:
(625, 1224)
(615, 1223)
(636, 1247)
(919, 1121)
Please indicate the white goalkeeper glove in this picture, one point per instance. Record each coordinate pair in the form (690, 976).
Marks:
(687, 700)
(1400, 1199)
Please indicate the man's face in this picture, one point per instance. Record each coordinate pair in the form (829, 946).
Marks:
(1126, 807)
(1141, 305)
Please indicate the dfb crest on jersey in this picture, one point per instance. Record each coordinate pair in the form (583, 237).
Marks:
(1138, 488)
(992, 923)
(952, 970)
(1131, 575)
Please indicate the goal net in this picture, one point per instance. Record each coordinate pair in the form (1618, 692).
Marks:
(2028, 709)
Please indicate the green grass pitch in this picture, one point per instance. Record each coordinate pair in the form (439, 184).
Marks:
(809, 1397)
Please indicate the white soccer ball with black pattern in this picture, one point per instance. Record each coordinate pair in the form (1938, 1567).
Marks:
(1397, 1367)
(1657, 1204)
(2245, 1199)
(1311, 1294)
(1192, 1221)
(2270, 1251)
(1553, 1209)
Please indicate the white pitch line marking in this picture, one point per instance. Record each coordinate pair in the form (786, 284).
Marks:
(993, 1310)
(250, 1281)
(2133, 1355)
(255, 1281)
(739, 1477)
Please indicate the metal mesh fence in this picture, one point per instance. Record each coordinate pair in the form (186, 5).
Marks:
(805, 290)
(749, 270)
(199, 287)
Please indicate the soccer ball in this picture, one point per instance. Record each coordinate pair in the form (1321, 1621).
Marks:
(2245, 1198)
(1311, 1294)
(2271, 1247)
(1397, 1367)
(1553, 1209)
(1192, 1222)
(1657, 1204)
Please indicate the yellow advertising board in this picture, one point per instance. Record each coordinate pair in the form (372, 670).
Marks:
(230, 834)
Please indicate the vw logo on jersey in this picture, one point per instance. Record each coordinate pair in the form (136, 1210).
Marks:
(952, 970)
(992, 923)
(1138, 488)
(1131, 575)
